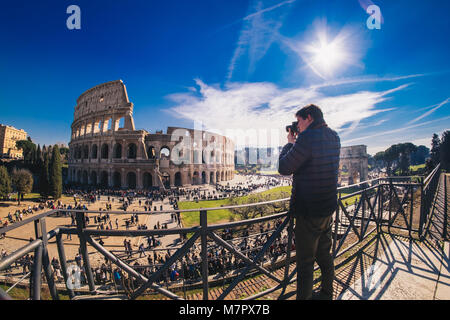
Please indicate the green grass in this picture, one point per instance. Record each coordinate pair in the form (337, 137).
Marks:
(267, 172)
(27, 197)
(417, 167)
(34, 196)
(24, 293)
(413, 169)
(350, 200)
(191, 219)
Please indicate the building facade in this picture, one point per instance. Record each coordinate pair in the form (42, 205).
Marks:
(8, 138)
(107, 151)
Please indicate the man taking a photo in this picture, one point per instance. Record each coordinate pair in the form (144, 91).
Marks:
(312, 156)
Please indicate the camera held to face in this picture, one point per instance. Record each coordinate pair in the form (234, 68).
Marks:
(293, 127)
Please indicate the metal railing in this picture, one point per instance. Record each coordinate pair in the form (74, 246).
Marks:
(395, 203)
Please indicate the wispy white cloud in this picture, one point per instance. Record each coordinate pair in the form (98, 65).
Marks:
(369, 137)
(258, 33)
(366, 79)
(435, 107)
(268, 9)
(264, 105)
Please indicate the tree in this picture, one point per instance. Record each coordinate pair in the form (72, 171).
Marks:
(420, 155)
(55, 174)
(64, 151)
(379, 159)
(5, 182)
(435, 152)
(445, 150)
(22, 181)
(38, 162)
(390, 155)
(405, 150)
(28, 149)
(44, 178)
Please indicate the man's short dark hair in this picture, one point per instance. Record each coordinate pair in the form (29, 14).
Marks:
(312, 110)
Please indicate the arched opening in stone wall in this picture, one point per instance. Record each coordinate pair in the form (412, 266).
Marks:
(151, 152)
(93, 178)
(85, 177)
(203, 177)
(131, 180)
(105, 151)
(131, 151)
(147, 180)
(85, 152)
(196, 178)
(178, 182)
(94, 152)
(165, 152)
(211, 177)
(116, 180)
(117, 151)
(166, 180)
(79, 176)
(222, 176)
(77, 153)
(104, 179)
(217, 176)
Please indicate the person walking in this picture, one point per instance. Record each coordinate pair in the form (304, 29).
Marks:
(312, 156)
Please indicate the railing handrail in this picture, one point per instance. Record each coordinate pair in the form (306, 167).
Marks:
(201, 232)
(45, 214)
(427, 180)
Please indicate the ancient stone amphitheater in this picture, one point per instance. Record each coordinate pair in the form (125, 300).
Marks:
(107, 151)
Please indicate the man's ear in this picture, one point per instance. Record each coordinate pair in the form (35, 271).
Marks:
(310, 118)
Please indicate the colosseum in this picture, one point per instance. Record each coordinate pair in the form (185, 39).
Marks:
(107, 151)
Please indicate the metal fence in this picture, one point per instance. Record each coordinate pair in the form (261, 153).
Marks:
(380, 205)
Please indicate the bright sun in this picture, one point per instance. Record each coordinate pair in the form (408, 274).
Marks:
(328, 56)
(325, 56)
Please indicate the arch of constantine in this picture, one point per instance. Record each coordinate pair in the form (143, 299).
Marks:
(107, 151)
(353, 164)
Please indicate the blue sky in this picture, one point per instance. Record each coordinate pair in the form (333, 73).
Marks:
(232, 66)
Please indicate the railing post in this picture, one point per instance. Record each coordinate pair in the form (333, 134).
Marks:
(35, 279)
(336, 223)
(444, 236)
(422, 209)
(84, 252)
(363, 211)
(62, 261)
(46, 262)
(390, 204)
(380, 208)
(411, 211)
(204, 253)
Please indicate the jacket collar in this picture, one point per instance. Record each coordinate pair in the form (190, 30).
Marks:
(316, 124)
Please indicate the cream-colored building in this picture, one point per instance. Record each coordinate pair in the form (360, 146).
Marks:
(8, 137)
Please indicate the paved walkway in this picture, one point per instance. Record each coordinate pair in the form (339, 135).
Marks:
(395, 268)
(407, 270)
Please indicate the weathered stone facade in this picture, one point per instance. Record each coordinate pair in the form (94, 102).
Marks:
(353, 164)
(8, 138)
(107, 151)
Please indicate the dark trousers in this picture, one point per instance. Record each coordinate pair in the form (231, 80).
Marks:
(313, 243)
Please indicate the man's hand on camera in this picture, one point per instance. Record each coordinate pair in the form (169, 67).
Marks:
(291, 137)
